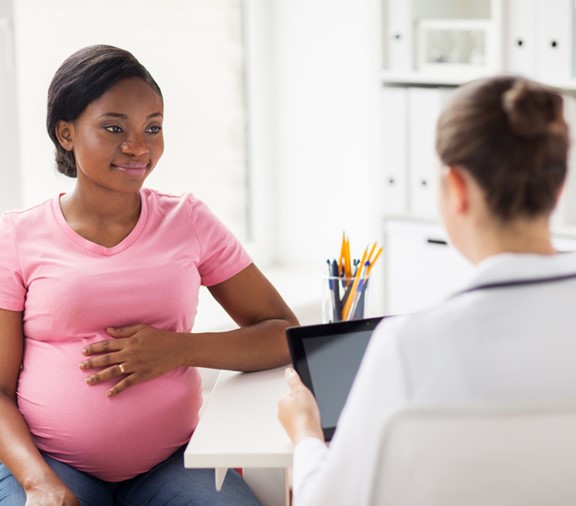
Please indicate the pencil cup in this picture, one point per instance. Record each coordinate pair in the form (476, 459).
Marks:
(343, 299)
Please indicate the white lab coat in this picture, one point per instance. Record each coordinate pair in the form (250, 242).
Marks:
(505, 343)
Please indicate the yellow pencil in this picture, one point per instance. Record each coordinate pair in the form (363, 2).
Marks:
(348, 270)
(371, 251)
(341, 261)
(373, 261)
(354, 288)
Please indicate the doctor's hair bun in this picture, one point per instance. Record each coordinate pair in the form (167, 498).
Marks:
(533, 110)
(510, 135)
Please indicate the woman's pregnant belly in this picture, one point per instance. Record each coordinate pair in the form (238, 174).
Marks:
(114, 438)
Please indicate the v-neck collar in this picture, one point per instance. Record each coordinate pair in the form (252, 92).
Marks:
(98, 248)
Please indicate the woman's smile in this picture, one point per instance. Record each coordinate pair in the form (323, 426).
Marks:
(136, 169)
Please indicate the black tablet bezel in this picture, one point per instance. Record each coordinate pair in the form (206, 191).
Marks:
(297, 335)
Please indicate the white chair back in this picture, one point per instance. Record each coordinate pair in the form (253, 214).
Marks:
(478, 454)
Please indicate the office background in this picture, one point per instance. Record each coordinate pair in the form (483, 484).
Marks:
(295, 120)
(310, 75)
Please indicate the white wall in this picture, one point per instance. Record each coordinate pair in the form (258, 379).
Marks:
(326, 63)
(10, 187)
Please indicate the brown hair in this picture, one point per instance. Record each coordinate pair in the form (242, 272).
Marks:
(510, 135)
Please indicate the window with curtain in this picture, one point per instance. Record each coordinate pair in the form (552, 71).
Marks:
(193, 48)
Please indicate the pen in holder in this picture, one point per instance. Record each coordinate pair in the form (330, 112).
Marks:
(345, 284)
(341, 300)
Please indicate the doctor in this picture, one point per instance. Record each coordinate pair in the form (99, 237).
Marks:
(503, 144)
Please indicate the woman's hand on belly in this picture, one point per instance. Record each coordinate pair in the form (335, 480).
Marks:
(136, 353)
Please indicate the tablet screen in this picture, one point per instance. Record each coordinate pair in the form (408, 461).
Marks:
(327, 357)
(333, 362)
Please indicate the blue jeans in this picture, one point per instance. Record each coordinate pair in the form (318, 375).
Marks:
(167, 483)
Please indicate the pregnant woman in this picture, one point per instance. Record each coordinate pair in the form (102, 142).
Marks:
(99, 391)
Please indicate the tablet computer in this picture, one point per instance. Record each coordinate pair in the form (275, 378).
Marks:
(327, 357)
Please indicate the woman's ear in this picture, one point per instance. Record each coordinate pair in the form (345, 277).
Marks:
(457, 189)
(65, 134)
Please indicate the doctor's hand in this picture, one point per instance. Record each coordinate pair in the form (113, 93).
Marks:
(136, 353)
(298, 411)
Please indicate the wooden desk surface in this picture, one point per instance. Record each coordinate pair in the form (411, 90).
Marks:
(239, 425)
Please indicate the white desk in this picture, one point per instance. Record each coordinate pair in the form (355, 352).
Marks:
(239, 428)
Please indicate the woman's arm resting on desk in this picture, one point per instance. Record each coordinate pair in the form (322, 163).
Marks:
(140, 352)
(17, 449)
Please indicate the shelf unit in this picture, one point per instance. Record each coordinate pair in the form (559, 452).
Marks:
(408, 51)
(534, 38)
(416, 78)
(518, 36)
(528, 37)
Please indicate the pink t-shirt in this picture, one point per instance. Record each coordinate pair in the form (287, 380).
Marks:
(71, 289)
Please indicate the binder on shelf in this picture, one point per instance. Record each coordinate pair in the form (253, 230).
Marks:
(520, 38)
(424, 107)
(555, 51)
(394, 128)
(400, 36)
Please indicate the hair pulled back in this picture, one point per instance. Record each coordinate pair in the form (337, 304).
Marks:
(510, 135)
(82, 78)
